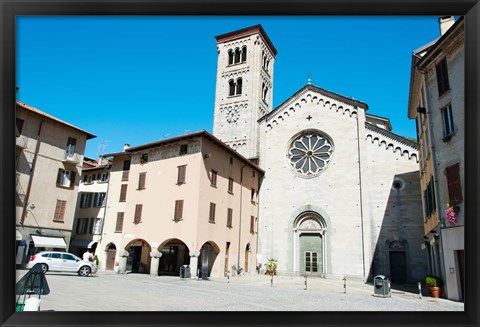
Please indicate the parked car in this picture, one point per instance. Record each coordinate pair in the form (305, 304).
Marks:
(62, 261)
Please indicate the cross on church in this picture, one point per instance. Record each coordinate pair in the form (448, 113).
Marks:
(309, 117)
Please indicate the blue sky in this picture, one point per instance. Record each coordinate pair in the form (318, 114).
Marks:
(140, 79)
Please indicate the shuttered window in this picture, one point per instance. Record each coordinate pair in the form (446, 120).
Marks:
(178, 215)
(60, 211)
(214, 178)
(442, 77)
(182, 170)
(230, 185)
(229, 217)
(138, 213)
(429, 198)
(123, 193)
(454, 184)
(252, 224)
(211, 217)
(141, 180)
(119, 224)
(66, 178)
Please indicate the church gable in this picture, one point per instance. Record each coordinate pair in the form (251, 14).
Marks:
(311, 94)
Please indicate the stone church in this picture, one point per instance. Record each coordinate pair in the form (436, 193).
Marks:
(341, 194)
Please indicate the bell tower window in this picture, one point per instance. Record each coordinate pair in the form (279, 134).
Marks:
(235, 87)
(244, 54)
(237, 55)
(231, 89)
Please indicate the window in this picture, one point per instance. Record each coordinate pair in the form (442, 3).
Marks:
(235, 87)
(66, 178)
(104, 177)
(144, 158)
(454, 184)
(18, 127)
(86, 200)
(123, 193)
(126, 168)
(178, 214)
(429, 198)
(244, 54)
(138, 213)
(99, 200)
(252, 224)
(119, 224)
(181, 174)
(211, 217)
(237, 55)
(229, 217)
(66, 256)
(97, 227)
(214, 179)
(141, 180)
(230, 185)
(252, 195)
(183, 149)
(442, 77)
(230, 57)
(71, 146)
(448, 128)
(60, 211)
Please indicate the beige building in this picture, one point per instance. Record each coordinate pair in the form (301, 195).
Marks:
(437, 102)
(49, 154)
(188, 200)
(91, 203)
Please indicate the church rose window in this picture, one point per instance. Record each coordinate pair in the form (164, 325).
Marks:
(309, 153)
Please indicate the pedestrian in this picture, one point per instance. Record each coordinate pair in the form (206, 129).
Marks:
(87, 256)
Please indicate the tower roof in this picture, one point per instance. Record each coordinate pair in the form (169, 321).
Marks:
(246, 32)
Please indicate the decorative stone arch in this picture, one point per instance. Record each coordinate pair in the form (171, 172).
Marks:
(110, 254)
(309, 219)
(138, 259)
(206, 260)
(172, 254)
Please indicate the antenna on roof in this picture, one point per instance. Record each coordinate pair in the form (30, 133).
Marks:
(101, 148)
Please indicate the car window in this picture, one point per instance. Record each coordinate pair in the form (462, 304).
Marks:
(68, 257)
(46, 255)
(55, 255)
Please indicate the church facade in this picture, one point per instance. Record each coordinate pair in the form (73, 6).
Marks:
(341, 194)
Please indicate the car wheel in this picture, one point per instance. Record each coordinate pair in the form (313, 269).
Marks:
(84, 271)
(44, 267)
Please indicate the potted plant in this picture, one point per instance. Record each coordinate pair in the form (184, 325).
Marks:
(271, 266)
(434, 284)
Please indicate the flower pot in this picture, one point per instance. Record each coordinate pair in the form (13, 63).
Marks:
(436, 292)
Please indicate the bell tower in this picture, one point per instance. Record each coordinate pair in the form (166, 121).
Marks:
(244, 87)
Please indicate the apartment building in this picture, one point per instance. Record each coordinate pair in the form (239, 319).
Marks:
(48, 161)
(91, 204)
(188, 200)
(437, 103)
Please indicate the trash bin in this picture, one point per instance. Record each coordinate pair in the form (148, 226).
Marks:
(185, 271)
(381, 286)
(19, 306)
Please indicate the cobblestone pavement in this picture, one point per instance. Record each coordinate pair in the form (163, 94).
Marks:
(108, 291)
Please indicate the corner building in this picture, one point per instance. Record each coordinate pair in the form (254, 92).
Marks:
(341, 194)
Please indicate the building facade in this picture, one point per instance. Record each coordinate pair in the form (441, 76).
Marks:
(49, 156)
(437, 102)
(340, 195)
(189, 200)
(91, 203)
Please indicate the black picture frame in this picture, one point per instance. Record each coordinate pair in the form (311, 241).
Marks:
(12, 8)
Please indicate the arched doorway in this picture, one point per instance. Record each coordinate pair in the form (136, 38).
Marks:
(206, 260)
(138, 260)
(111, 250)
(310, 244)
(247, 257)
(175, 254)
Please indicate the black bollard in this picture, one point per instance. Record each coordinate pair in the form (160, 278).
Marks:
(345, 285)
(306, 286)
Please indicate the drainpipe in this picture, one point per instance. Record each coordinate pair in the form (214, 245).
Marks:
(32, 171)
(361, 191)
(240, 222)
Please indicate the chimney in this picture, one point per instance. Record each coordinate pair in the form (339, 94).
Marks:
(445, 23)
(126, 146)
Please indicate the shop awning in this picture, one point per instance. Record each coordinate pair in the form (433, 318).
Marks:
(82, 243)
(48, 242)
(19, 236)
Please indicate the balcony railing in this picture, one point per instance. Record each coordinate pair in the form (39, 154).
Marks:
(22, 141)
(71, 156)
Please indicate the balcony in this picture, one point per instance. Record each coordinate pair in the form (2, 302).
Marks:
(70, 156)
(22, 141)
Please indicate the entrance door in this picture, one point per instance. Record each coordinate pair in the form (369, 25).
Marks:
(461, 270)
(227, 253)
(110, 263)
(311, 253)
(398, 266)
(246, 260)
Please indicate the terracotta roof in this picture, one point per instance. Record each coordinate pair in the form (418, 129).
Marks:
(245, 32)
(44, 114)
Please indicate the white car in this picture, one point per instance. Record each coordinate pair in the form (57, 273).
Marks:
(62, 261)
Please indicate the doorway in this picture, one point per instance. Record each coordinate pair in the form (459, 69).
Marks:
(111, 253)
(398, 266)
(311, 261)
